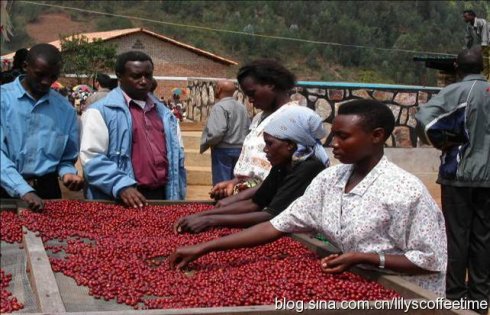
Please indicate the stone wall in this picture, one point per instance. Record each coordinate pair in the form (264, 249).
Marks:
(326, 97)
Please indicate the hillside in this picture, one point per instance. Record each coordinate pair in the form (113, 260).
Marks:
(423, 26)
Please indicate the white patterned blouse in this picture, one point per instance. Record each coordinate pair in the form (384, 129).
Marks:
(252, 162)
(389, 211)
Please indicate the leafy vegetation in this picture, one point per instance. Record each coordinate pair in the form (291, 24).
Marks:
(84, 57)
(424, 26)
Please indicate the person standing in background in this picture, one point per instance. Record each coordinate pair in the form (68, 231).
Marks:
(103, 84)
(456, 122)
(17, 66)
(131, 146)
(478, 34)
(225, 130)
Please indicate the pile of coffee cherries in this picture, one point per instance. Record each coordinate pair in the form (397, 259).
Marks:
(120, 254)
(8, 302)
(10, 232)
(11, 227)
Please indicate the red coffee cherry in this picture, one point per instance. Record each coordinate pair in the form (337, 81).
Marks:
(119, 253)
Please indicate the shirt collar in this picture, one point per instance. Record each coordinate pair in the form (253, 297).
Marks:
(367, 181)
(473, 77)
(21, 91)
(145, 105)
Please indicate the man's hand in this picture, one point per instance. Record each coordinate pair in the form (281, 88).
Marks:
(33, 201)
(223, 189)
(73, 182)
(133, 198)
(184, 255)
(336, 263)
(193, 224)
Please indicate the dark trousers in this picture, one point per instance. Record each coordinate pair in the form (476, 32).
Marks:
(46, 187)
(467, 214)
(153, 193)
(223, 162)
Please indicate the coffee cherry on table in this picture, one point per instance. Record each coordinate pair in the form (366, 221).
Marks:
(8, 302)
(10, 232)
(119, 253)
(11, 227)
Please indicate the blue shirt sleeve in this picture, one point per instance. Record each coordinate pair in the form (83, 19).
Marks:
(11, 180)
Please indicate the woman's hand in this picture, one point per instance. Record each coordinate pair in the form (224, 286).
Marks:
(193, 224)
(226, 201)
(222, 189)
(184, 255)
(336, 263)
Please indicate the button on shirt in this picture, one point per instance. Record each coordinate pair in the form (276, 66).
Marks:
(389, 211)
(37, 137)
(149, 151)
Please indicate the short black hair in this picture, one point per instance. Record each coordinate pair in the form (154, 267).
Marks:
(470, 61)
(19, 58)
(47, 52)
(268, 71)
(470, 12)
(374, 114)
(130, 56)
(104, 80)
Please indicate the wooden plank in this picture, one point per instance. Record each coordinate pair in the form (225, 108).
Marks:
(17, 203)
(407, 289)
(41, 275)
(10, 204)
(393, 281)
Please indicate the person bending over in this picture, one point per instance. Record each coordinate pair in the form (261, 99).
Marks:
(377, 214)
(293, 148)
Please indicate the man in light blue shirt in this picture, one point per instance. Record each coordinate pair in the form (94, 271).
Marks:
(39, 133)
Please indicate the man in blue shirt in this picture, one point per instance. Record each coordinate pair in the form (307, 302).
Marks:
(39, 133)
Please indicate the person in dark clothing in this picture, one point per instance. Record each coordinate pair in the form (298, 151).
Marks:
(292, 147)
(17, 67)
(456, 122)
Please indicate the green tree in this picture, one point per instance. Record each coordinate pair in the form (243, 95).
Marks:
(83, 57)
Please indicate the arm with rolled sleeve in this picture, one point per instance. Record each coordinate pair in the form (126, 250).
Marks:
(216, 127)
(98, 169)
(11, 180)
(70, 154)
(424, 237)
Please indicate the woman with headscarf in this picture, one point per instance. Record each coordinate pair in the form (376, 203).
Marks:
(292, 146)
(267, 84)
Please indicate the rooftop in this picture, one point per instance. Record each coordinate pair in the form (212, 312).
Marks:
(104, 36)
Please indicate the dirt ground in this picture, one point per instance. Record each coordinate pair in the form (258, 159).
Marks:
(47, 27)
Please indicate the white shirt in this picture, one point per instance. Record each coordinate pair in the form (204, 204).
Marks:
(389, 211)
(252, 161)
